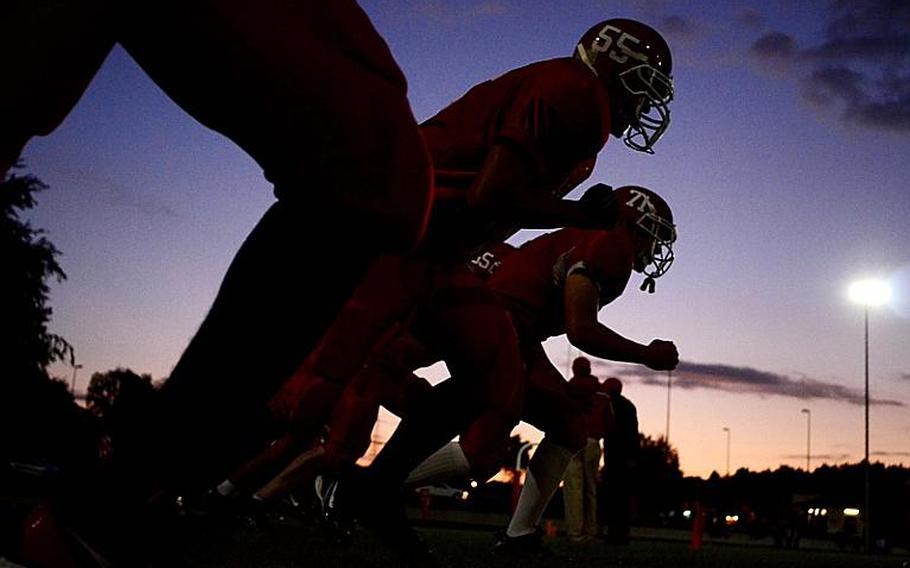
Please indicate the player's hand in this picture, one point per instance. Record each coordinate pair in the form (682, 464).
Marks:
(662, 355)
(601, 203)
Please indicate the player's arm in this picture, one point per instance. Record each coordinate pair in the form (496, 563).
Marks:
(587, 333)
(503, 190)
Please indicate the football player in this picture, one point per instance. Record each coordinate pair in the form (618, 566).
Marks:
(312, 93)
(286, 81)
(554, 284)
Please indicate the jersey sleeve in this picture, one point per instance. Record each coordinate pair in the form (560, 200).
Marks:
(607, 262)
(555, 119)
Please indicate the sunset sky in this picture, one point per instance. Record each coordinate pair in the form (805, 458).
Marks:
(786, 164)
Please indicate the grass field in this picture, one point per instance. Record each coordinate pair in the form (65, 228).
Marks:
(294, 542)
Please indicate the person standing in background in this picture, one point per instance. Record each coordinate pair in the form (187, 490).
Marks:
(581, 476)
(621, 446)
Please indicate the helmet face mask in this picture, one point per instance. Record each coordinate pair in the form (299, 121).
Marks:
(657, 257)
(650, 218)
(652, 92)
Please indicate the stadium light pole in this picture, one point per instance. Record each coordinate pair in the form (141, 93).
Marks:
(868, 293)
(808, 414)
(727, 430)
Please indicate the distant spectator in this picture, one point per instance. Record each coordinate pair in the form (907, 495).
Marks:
(621, 447)
(580, 477)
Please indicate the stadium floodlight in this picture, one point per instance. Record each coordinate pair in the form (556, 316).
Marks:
(870, 292)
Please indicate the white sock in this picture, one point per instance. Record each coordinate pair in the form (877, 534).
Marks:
(449, 462)
(226, 488)
(545, 471)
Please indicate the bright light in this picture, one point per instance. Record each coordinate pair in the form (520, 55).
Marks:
(851, 512)
(464, 495)
(731, 519)
(824, 512)
(687, 514)
(870, 292)
(473, 484)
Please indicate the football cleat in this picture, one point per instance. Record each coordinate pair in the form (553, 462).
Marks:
(530, 544)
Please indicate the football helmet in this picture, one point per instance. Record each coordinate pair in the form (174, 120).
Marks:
(642, 208)
(635, 65)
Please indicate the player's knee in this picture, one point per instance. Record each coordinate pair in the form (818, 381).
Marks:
(484, 444)
(341, 455)
(484, 460)
(400, 397)
(571, 434)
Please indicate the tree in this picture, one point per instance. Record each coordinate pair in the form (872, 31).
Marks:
(39, 420)
(29, 262)
(658, 479)
(106, 389)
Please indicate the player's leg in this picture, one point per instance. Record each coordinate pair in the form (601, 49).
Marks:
(480, 348)
(49, 52)
(478, 452)
(309, 398)
(335, 388)
(572, 490)
(548, 407)
(268, 463)
(309, 90)
(466, 320)
(475, 335)
(591, 463)
(388, 380)
(262, 325)
(303, 404)
(305, 400)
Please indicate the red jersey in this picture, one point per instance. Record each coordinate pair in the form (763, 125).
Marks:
(555, 113)
(531, 281)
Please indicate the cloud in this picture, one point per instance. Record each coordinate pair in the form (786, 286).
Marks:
(890, 454)
(861, 68)
(904, 377)
(742, 380)
(121, 196)
(824, 458)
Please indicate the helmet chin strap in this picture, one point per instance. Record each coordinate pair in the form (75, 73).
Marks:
(648, 285)
(583, 55)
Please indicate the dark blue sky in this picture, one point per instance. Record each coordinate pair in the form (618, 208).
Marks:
(786, 164)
